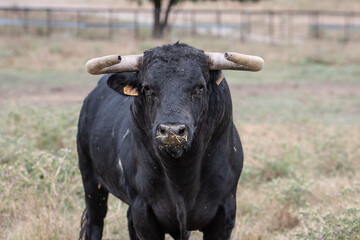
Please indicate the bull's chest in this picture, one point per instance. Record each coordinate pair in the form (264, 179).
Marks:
(197, 215)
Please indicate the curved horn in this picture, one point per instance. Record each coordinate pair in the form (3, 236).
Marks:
(234, 61)
(114, 64)
(132, 63)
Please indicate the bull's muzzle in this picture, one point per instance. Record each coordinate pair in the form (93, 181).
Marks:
(173, 138)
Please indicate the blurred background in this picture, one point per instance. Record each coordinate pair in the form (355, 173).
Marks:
(299, 118)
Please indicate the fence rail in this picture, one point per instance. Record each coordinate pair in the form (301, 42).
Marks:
(274, 26)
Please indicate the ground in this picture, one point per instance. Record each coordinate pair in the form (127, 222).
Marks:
(298, 120)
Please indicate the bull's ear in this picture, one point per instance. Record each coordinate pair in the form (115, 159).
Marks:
(216, 76)
(124, 83)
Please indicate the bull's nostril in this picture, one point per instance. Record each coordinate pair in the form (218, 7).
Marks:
(181, 132)
(173, 138)
(162, 132)
(171, 130)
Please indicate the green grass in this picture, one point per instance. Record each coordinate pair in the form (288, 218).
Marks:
(341, 225)
(299, 73)
(39, 178)
(278, 109)
(299, 125)
(298, 120)
(19, 80)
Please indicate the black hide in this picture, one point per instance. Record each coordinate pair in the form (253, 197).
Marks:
(174, 181)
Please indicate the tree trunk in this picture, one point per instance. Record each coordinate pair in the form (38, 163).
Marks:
(157, 28)
(165, 22)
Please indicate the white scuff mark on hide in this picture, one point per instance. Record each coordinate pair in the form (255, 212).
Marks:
(121, 167)
(122, 141)
(125, 135)
(235, 149)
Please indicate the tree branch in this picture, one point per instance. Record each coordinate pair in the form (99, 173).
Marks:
(165, 22)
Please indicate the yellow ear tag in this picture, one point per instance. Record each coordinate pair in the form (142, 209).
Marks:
(220, 79)
(130, 91)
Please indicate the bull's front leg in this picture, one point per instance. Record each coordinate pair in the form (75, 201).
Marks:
(142, 222)
(92, 221)
(221, 227)
(95, 211)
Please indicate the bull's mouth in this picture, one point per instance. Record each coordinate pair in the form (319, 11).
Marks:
(175, 152)
(174, 145)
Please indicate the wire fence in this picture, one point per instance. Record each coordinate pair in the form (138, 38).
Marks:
(272, 26)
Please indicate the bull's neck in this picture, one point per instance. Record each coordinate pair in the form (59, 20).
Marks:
(183, 173)
(182, 181)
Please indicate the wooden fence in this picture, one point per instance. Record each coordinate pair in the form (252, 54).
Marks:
(270, 26)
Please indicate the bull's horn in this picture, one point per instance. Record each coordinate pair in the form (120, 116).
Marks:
(132, 63)
(114, 64)
(234, 61)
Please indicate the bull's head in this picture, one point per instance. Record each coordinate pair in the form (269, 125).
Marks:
(173, 84)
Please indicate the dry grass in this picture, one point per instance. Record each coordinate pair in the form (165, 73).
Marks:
(288, 170)
(58, 52)
(298, 120)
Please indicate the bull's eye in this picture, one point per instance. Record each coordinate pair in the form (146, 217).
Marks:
(148, 92)
(198, 90)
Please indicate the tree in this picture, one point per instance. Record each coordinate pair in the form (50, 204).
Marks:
(159, 23)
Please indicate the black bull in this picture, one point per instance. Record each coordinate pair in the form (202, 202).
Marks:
(172, 153)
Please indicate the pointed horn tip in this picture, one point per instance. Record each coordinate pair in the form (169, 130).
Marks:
(89, 68)
(257, 63)
(95, 66)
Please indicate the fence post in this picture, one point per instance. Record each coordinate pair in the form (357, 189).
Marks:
(26, 27)
(110, 23)
(136, 23)
(249, 23)
(77, 22)
(242, 26)
(271, 26)
(193, 22)
(6, 16)
(218, 22)
(282, 26)
(48, 22)
(290, 26)
(316, 25)
(347, 20)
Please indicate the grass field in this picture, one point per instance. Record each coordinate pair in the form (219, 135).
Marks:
(299, 120)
